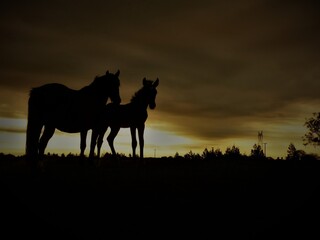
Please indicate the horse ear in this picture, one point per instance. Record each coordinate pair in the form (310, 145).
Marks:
(117, 73)
(144, 81)
(156, 83)
(107, 72)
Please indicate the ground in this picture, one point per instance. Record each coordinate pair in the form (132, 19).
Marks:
(168, 197)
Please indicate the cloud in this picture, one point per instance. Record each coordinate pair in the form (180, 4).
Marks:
(225, 67)
(12, 130)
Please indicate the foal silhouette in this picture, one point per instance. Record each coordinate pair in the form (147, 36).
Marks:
(132, 115)
(57, 106)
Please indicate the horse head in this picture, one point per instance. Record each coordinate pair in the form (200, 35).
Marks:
(150, 88)
(108, 86)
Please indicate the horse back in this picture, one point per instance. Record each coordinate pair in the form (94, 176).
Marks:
(64, 108)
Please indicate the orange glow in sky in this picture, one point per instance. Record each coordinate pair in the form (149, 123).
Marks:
(227, 69)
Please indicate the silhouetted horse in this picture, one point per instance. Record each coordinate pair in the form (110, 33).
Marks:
(132, 115)
(57, 106)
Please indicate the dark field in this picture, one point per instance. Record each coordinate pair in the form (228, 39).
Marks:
(164, 198)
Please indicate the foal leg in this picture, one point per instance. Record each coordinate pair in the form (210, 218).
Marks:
(141, 140)
(133, 141)
(83, 142)
(47, 134)
(111, 137)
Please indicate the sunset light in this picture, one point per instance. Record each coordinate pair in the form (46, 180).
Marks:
(225, 72)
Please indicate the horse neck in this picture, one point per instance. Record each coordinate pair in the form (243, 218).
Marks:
(139, 106)
(87, 90)
(139, 103)
(91, 94)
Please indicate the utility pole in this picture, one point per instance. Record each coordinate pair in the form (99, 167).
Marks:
(265, 149)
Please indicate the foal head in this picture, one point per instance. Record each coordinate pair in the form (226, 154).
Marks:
(108, 86)
(146, 96)
(151, 91)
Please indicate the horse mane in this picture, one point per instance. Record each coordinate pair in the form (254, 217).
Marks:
(136, 95)
(97, 78)
(93, 84)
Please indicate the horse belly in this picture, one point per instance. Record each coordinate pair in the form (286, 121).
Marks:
(73, 125)
(126, 125)
(72, 129)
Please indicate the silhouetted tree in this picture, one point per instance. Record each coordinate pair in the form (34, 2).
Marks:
(192, 156)
(233, 152)
(257, 152)
(211, 154)
(313, 135)
(70, 155)
(293, 153)
(301, 155)
(208, 154)
(218, 153)
(177, 156)
(309, 157)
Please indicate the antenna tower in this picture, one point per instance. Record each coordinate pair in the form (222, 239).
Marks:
(260, 139)
(261, 143)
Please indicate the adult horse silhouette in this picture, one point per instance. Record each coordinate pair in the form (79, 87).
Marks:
(132, 115)
(57, 106)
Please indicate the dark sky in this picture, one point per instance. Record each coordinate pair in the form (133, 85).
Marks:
(227, 69)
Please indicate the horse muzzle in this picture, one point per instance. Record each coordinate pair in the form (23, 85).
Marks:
(116, 101)
(152, 105)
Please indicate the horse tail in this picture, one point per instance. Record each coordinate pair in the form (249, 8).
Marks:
(34, 126)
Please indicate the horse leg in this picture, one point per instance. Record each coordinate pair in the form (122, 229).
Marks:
(83, 142)
(33, 133)
(94, 136)
(141, 139)
(32, 143)
(100, 140)
(133, 141)
(111, 137)
(47, 134)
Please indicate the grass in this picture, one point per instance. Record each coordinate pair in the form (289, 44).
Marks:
(168, 197)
